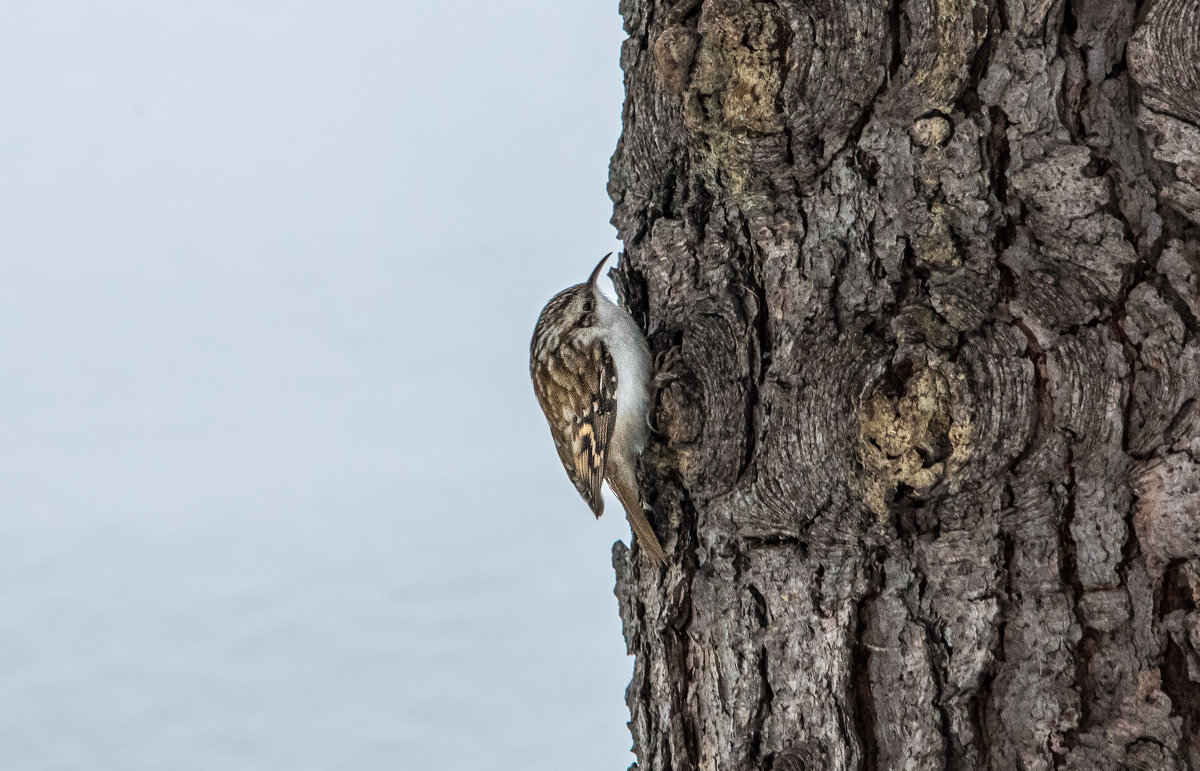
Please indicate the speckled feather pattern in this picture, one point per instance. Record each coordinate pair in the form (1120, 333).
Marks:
(580, 392)
(590, 367)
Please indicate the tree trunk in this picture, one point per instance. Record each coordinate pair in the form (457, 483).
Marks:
(923, 283)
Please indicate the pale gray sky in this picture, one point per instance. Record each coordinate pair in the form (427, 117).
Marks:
(274, 489)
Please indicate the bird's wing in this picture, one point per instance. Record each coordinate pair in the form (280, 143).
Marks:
(580, 402)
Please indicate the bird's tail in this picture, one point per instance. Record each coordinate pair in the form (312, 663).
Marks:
(627, 494)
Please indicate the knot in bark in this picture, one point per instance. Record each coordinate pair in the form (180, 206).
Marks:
(739, 70)
(906, 432)
(931, 131)
(673, 53)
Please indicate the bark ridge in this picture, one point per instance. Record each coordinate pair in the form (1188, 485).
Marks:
(922, 279)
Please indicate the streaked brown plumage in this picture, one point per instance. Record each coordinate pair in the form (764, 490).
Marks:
(590, 367)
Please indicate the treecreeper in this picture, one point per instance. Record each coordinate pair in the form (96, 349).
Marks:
(591, 367)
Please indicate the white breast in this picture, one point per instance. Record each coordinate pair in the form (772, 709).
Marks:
(632, 356)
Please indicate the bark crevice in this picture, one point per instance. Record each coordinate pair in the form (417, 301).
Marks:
(923, 279)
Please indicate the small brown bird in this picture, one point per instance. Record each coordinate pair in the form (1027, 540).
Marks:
(591, 371)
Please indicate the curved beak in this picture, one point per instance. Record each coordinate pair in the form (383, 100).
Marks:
(596, 273)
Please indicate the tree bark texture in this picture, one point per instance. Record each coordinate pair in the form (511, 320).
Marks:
(922, 279)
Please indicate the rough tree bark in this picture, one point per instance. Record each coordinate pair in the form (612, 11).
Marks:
(923, 278)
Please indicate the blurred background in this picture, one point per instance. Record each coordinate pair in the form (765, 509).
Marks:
(274, 489)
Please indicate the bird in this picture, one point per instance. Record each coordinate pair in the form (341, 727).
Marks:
(591, 366)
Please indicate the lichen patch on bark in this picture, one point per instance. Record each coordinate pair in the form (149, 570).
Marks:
(922, 279)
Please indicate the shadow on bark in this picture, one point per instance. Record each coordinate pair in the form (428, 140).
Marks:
(922, 279)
